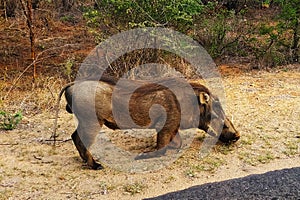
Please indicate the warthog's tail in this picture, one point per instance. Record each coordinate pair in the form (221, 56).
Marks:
(54, 135)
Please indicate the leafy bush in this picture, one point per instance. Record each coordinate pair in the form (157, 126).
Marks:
(289, 20)
(275, 41)
(123, 15)
(223, 28)
(9, 121)
(214, 32)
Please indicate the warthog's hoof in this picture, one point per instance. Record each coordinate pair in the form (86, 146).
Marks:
(97, 166)
(147, 156)
(153, 154)
(141, 156)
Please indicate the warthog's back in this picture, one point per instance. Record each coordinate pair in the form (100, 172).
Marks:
(89, 98)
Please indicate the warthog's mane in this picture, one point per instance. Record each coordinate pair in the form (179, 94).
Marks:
(146, 86)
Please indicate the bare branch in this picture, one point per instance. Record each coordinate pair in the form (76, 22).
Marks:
(37, 60)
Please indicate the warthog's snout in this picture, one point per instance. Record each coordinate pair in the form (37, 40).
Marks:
(229, 133)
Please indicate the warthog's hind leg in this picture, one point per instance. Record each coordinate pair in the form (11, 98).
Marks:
(84, 153)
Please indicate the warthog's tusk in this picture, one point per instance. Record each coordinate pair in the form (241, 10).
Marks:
(211, 131)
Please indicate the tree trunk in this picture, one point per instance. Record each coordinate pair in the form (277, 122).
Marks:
(295, 44)
(27, 9)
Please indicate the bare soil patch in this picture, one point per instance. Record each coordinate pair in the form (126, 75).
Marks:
(264, 106)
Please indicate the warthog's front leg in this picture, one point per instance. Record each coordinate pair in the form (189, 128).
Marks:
(165, 141)
(170, 140)
(84, 153)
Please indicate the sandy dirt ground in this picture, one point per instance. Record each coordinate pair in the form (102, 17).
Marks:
(264, 107)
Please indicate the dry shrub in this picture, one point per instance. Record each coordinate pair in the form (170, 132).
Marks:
(30, 98)
(148, 63)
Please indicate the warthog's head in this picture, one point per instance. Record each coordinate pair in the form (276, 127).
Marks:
(213, 119)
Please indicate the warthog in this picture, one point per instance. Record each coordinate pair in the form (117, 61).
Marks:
(101, 102)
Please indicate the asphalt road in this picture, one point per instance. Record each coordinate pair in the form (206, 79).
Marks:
(274, 185)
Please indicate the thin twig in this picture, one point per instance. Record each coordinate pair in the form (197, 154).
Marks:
(9, 144)
(55, 48)
(38, 158)
(16, 80)
(52, 140)
(5, 10)
(54, 135)
(6, 185)
(30, 65)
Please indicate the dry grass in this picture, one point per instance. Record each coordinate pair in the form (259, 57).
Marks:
(32, 168)
(20, 94)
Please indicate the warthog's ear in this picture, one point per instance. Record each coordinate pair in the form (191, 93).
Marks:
(204, 98)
